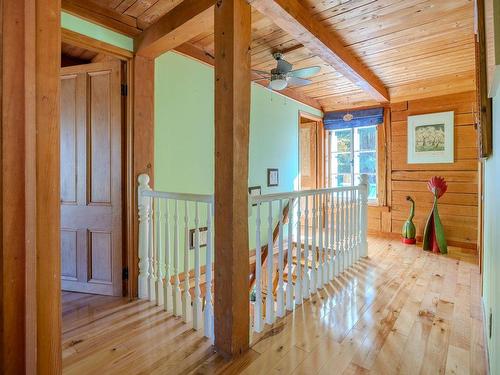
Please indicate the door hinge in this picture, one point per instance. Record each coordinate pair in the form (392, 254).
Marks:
(124, 89)
(125, 273)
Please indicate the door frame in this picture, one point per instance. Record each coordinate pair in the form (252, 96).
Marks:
(128, 183)
(319, 148)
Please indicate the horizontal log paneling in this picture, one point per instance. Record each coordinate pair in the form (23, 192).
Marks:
(459, 206)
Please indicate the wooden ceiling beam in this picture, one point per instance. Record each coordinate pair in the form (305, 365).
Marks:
(297, 20)
(104, 17)
(187, 20)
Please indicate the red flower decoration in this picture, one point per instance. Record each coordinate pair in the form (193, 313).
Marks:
(437, 186)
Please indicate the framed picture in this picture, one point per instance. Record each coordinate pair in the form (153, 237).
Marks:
(203, 237)
(272, 177)
(431, 138)
(254, 191)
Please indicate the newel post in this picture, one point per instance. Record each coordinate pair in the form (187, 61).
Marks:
(363, 186)
(144, 210)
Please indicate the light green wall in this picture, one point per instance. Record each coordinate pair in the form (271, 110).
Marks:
(76, 24)
(491, 257)
(184, 133)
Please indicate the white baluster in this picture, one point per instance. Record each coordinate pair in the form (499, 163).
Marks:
(289, 288)
(319, 276)
(167, 289)
(197, 320)
(353, 227)
(313, 248)
(332, 238)
(306, 281)
(186, 300)
(326, 261)
(151, 254)
(209, 311)
(337, 233)
(342, 231)
(177, 284)
(348, 228)
(298, 283)
(280, 298)
(143, 211)
(356, 225)
(364, 215)
(158, 255)
(270, 254)
(258, 264)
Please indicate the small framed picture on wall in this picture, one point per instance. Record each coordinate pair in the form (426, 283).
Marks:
(254, 191)
(272, 177)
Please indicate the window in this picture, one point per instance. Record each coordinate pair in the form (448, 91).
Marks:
(352, 152)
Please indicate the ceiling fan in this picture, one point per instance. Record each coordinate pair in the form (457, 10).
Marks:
(283, 75)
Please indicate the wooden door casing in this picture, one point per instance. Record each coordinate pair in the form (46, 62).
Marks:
(91, 179)
(308, 155)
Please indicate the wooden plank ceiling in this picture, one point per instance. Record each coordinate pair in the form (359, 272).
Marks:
(417, 48)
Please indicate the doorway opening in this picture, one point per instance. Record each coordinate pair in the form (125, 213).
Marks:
(310, 151)
(94, 180)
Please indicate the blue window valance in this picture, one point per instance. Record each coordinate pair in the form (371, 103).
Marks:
(362, 117)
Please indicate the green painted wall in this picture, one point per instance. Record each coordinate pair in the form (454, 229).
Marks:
(79, 25)
(184, 133)
(491, 257)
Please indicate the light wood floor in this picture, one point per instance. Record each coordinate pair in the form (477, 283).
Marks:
(401, 310)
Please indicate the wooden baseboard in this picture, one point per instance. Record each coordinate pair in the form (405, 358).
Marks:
(464, 245)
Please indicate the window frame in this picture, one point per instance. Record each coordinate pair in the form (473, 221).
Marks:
(329, 153)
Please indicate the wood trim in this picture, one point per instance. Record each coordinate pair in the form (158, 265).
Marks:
(309, 116)
(484, 113)
(232, 126)
(294, 18)
(187, 20)
(80, 40)
(114, 21)
(30, 339)
(194, 52)
(143, 149)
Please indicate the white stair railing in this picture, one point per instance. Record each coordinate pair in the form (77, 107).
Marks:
(326, 234)
(160, 253)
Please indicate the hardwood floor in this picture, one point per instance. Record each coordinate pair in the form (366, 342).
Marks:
(401, 310)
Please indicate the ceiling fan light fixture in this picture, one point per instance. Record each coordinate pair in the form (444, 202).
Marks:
(278, 84)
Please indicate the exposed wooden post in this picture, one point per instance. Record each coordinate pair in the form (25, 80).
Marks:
(232, 119)
(143, 153)
(30, 332)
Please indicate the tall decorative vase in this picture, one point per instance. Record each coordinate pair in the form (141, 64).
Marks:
(434, 239)
(409, 232)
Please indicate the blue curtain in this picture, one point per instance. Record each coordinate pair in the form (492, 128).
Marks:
(363, 117)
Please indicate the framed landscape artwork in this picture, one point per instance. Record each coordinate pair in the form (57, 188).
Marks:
(431, 138)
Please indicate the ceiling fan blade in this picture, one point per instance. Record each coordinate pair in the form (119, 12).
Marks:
(305, 72)
(295, 81)
(284, 66)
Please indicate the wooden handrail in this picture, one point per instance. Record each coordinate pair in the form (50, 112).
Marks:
(265, 249)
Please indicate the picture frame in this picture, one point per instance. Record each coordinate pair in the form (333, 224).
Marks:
(203, 237)
(272, 177)
(431, 138)
(254, 191)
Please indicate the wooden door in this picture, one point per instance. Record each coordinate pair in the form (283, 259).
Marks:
(308, 155)
(91, 179)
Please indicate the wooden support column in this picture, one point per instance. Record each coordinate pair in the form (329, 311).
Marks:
(30, 317)
(144, 127)
(232, 120)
